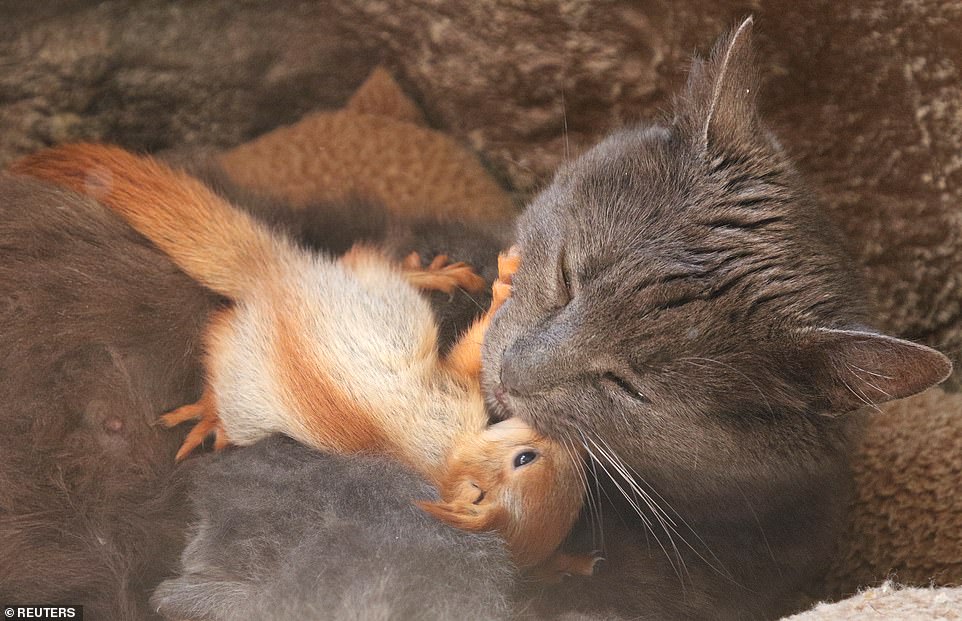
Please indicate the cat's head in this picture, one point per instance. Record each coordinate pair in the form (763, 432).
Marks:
(681, 298)
(514, 481)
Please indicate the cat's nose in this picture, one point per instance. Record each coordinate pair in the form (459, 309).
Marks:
(519, 367)
(525, 370)
(543, 357)
(515, 378)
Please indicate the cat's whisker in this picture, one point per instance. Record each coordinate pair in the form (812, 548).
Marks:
(620, 467)
(632, 501)
(595, 507)
(568, 445)
(722, 571)
(471, 297)
(888, 377)
(630, 475)
(598, 506)
(598, 488)
(761, 530)
(597, 519)
(666, 525)
(853, 368)
(643, 517)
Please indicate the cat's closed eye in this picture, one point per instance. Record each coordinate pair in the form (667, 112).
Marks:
(614, 382)
(564, 286)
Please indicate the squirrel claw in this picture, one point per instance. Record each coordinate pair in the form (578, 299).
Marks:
(440, 275)
(204, 412)
(508, 262)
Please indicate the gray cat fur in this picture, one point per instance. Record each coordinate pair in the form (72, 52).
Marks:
(286, 532)
(685, 311)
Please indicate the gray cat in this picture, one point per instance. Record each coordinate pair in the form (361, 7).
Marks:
(683, 310)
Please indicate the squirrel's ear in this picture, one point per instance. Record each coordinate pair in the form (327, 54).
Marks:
(462, 515)
(718, 106)
(851, 369)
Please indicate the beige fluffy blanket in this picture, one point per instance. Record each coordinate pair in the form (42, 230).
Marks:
(890, 601)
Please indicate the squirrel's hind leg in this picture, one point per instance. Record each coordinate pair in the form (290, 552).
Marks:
(204, 411)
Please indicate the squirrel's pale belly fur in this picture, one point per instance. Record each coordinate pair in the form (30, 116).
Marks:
(375, 340)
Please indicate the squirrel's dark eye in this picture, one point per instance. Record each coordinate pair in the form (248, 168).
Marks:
(524, 458)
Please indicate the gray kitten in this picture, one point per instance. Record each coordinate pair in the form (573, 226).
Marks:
(683, 310)
(284, 531)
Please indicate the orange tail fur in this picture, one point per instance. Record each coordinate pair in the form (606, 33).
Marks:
(215, 243)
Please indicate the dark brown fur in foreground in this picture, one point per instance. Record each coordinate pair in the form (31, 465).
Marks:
(100, 334)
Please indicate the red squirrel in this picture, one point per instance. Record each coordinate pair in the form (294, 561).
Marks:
(340, 354)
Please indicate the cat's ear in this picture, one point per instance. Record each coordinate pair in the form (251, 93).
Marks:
(853, 368)
(718, 106)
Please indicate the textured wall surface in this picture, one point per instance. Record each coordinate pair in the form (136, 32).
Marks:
(159, 74)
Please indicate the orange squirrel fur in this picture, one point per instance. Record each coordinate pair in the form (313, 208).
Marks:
(340, 354)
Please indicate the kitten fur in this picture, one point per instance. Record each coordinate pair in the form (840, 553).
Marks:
(282, 532)
(683, 310)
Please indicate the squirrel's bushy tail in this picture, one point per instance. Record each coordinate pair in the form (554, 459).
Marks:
(217, 244)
